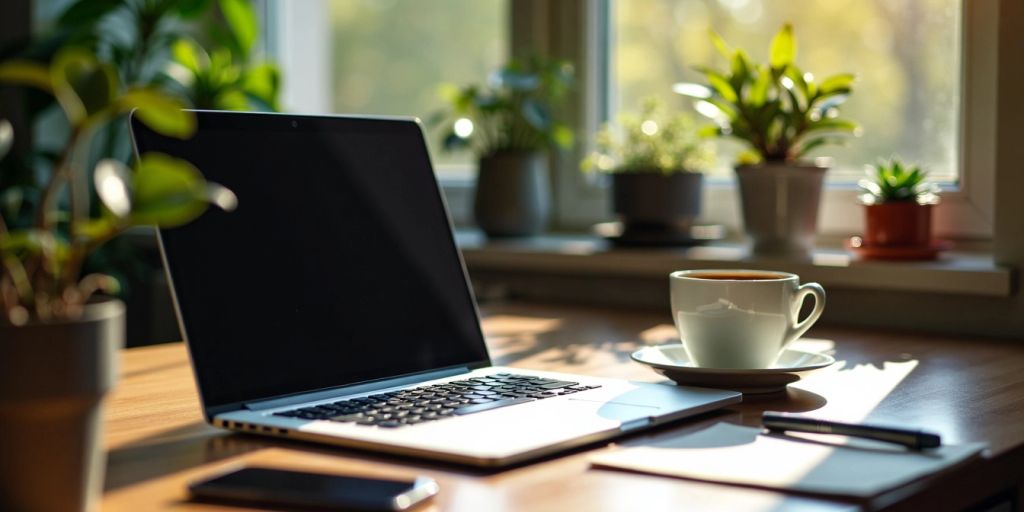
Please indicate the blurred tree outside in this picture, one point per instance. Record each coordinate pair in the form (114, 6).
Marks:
(391, 56)
(905, 53)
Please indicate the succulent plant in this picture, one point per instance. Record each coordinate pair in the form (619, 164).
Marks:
(894, 181)
(776, 108)
(654, 140)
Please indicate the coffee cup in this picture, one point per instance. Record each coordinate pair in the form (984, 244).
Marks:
(740, 319)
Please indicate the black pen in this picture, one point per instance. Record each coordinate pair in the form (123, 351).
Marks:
(914, 439)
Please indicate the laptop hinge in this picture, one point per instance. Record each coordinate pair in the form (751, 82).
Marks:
(366, 387)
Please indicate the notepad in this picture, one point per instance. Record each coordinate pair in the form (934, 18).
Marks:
(733, 454)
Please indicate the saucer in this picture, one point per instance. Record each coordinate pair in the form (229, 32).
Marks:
(896, 252)
(618, 234)
(673, 362)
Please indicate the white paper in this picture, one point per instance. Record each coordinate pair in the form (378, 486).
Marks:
(740, 455)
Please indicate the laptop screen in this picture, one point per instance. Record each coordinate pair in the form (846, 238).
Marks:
(337, 267)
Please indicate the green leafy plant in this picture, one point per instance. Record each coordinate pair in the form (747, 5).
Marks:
(893, 181)
(170, 43)
(781, 112)
(42, 262)
(654, 140)
(515, 111)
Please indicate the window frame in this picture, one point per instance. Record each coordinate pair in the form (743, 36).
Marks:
(579, 30)
(965, 212)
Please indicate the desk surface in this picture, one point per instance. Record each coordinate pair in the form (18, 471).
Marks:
(965, 389)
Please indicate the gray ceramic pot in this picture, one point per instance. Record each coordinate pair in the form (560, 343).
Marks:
(53, 377)
(513, 194)
(652, 198)
(780, 207)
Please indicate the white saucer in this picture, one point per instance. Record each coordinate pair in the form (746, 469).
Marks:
(673, 362)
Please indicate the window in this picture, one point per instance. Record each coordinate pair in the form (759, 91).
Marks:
(926, 89)
(906, 56)
(389, 57)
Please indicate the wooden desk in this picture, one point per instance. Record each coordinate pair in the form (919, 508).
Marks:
(966, 389)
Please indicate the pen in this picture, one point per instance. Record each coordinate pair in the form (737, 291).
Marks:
(914, 439)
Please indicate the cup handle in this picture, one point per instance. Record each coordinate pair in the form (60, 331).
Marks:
(799, 328)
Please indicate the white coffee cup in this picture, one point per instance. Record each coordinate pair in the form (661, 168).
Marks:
(740, 318)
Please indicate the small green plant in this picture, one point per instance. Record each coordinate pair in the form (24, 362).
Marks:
(893, 181)
(781, 112)
(655, 140)
(42, 258)
(516, 110)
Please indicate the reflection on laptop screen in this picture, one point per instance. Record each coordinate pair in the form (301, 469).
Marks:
(337, 267)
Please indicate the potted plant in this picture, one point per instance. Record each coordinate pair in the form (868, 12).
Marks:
(58, 341)
(898, 205)
(655, 160)
(781, 113)
(509, 124)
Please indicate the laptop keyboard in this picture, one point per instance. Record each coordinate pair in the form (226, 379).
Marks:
(430, 403)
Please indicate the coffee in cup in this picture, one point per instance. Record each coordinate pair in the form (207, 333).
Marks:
(740, 319)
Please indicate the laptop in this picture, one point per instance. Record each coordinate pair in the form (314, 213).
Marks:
(332, 305)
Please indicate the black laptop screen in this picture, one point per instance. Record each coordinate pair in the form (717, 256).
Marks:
(337, 267)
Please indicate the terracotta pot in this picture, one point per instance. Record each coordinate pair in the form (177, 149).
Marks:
(902, 223)
(513, 194)
(53, 377)
(780, 205)
(644, 199)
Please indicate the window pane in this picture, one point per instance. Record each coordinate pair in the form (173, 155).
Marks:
(906, 55)
(390, 56)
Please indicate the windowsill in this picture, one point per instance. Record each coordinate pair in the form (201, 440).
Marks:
(955, 272)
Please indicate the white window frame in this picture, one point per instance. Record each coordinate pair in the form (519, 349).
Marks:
(966, 210)
(299, 38)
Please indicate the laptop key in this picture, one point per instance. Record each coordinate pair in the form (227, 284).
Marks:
(558, 384)
(348, 418)
(480, 407)
(390, 424)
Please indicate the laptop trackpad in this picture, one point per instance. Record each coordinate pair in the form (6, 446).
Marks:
(618, 411)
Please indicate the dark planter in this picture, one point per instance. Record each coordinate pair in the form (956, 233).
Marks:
(646, 200)
(780, 205)
(898, 224)
(513, 194)
(53, 377)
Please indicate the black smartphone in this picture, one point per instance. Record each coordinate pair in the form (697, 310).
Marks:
(312, 491)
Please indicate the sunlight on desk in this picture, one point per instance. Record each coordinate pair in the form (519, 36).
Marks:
(853, 393)
(514, 325)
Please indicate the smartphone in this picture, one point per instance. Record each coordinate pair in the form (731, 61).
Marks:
(312, 491)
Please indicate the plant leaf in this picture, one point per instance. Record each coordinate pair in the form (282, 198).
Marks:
(722, 87)
(263, 81)
(83, 85)
(190, 55)
(720, 44)
(834, 125)
(836, 82)
(809, 144)
(241, 19)
(169, 192)
(783, 48)
(161, 112)
(759, 91)
(26, 72)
